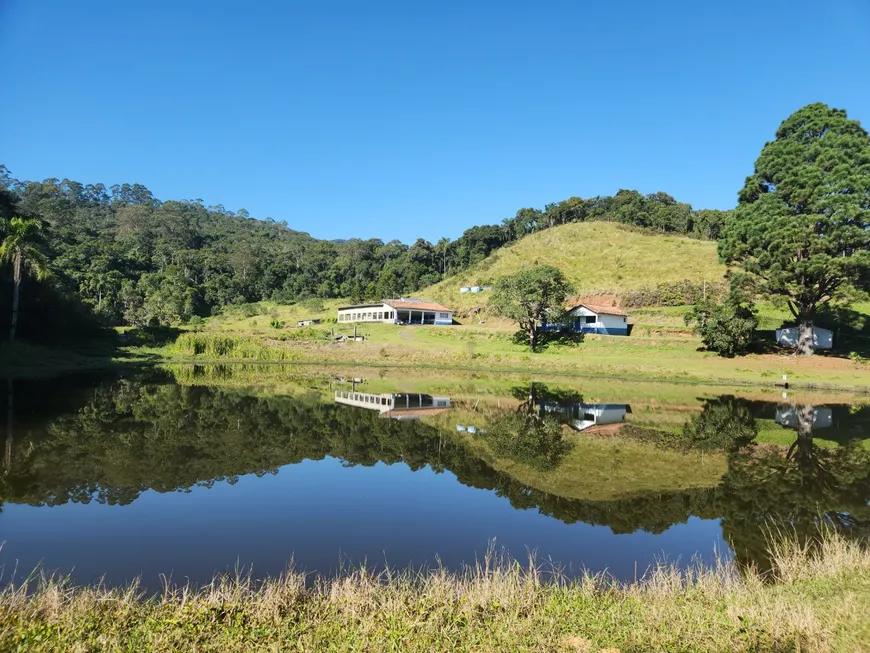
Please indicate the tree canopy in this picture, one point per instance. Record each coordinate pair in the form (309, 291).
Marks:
(802, 226)
(530, 296)
(128, 257)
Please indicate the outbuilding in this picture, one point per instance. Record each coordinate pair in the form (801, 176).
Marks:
(308, 322)
(789, 336)
(397, 311)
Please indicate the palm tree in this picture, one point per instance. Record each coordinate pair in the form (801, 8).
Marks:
(21, 247)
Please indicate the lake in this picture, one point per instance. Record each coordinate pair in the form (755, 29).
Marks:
(188, 472)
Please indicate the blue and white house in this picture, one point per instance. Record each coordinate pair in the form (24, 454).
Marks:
(588, 318)
(584, 416)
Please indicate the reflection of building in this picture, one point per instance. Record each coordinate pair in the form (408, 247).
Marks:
(585, 416)
(788, 416)
(394, 406)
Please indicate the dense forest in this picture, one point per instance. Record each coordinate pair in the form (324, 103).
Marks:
(118, 255)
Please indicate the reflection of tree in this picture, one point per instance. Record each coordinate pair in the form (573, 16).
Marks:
(129, 437)
(527, 438)
(533, 393)
(764, 489)
(725, 424)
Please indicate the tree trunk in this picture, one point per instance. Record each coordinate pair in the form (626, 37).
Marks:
(7, 457)
(805, 336)
(533, 337)
(803, 450)
(16, 290)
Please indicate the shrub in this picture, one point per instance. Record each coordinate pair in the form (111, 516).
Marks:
(276, 324)
(727, 328)
(313, 304)
(673, 293)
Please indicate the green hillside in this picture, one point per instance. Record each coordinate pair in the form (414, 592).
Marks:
(598, 258)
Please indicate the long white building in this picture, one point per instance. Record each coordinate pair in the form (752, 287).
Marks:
(397, 311)
(394, 406)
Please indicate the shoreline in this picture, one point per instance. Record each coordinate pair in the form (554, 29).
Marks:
(47, 362)
(816, 600)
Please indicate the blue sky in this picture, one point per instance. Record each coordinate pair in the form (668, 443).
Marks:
(406, 119)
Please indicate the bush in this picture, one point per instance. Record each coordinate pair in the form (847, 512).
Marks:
(673, 293)
(314, 305)
(727, 328)
(276, 324)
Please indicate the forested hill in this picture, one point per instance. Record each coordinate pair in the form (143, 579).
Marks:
(127, 257)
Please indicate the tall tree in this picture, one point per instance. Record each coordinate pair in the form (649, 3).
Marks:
(529, 296)
(22, 248)
(802, 225)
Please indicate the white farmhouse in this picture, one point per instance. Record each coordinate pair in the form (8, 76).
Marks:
(588, 318)
(397, 311)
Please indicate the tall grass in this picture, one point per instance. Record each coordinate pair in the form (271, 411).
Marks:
(819, 603)
(216, 346)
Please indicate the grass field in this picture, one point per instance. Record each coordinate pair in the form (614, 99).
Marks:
(597, 257)
(818, 603)
(642, 356)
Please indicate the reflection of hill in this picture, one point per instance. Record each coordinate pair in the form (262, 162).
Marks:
(127, 437)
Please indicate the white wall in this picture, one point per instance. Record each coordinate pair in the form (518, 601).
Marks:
(822, 338)
(351, 315)
(602, 321)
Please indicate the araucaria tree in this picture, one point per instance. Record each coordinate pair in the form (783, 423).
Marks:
(21, 248)
(530, 296)
(802, 225)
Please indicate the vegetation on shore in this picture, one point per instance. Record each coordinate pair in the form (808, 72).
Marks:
(818, 602)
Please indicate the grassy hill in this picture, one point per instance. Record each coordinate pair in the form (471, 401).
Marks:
(598, 258)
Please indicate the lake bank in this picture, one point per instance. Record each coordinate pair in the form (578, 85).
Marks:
(459, 349)
(819, 602)
(668, 358)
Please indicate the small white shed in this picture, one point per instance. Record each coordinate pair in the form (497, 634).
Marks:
(788, 337)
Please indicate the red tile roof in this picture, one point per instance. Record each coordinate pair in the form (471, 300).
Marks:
(603, 310)
(416, 305)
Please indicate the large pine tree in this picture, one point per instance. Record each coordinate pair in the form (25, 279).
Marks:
(802, 225)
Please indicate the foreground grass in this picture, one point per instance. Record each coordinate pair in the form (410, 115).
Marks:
(818, 602)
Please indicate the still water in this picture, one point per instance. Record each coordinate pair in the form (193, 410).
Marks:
(189, 473)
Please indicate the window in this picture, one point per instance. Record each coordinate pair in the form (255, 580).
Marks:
(590, 319)
(443, 316)
(625, 319)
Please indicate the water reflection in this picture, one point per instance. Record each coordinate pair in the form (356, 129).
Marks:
(113, 443)
(394, 406)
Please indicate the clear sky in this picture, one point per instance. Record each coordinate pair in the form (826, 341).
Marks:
(406, 119)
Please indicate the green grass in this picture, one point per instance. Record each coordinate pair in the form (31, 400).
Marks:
(640, 357)
(610, 468)
(597, 257)
(24, 360)
(819, 601)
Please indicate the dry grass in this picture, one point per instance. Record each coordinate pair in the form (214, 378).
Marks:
(819, 603)
(596, 256)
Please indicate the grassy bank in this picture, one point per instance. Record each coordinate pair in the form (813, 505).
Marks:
(819, 602)
(487, 348)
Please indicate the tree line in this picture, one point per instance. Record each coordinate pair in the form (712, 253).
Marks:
(120, 255)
